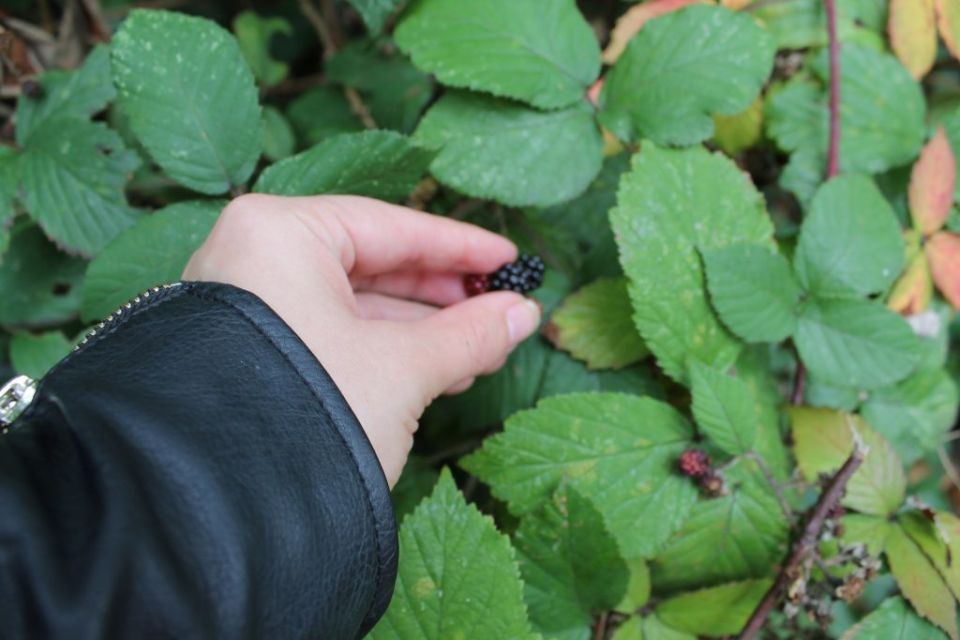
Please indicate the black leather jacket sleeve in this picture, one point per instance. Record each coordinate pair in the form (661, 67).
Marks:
(192, 472)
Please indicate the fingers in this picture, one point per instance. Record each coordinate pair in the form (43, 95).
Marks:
(380, 238)
(374, 306)
(440, 289)
(471, 338)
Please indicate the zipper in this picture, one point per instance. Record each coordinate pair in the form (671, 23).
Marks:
(122, 313)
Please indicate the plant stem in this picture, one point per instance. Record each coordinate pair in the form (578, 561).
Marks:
(807, 543)
(799, 382)
(833, 151)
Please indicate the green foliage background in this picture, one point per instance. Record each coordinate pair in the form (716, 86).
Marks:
(696, 255)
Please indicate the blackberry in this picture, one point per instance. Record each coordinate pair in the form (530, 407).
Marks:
(694, 463)
(523, 275)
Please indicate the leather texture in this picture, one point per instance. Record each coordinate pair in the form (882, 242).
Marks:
(192, 472)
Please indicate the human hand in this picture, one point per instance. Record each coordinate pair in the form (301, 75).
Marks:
(375, 291)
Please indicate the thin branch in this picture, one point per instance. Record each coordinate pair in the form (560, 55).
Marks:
(600, 630)
(799, 383)
(833, 151)
(806, 545)
(319, 24)
(359, 107)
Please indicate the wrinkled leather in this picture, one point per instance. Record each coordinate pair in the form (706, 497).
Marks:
(192, 472)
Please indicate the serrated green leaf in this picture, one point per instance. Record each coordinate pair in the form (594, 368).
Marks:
(395, 91)
(67, 94)
(881, 118)
(492, 148)
(152, 252)
(41, 286)
(570, 564)
(754, 292)
(322, 113)
(543, 53)
(916, 414)
(818, 393)
(871, 531)
(893, 620)
(189, 96)
(671, 205)
(850, 241)
(680, 70)
(278, 140)
(648, 628)
(375, 12)
(939, 539)
(254, 34)
(740, 535)
(595, 325)
(717, 611)
(920, 582)
(638, 586)
(457, 575)
(379, 164)
(855, 343)
(73, 174)
(34, 354)
(723, 407)
(9, 179)
(617, 450)
(754, 369)
(823, 440)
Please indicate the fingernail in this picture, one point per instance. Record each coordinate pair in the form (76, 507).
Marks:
(523, 319)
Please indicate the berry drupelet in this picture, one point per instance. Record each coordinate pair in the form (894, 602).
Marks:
(694, 463)
(523, 275)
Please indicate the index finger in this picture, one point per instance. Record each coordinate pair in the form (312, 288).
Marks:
(378, 237)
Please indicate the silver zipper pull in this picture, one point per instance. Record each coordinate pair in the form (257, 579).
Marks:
(15, 397)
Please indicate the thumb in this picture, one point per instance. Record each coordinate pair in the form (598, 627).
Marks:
(472, 337)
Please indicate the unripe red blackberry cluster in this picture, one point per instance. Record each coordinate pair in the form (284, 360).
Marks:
(695, 464)
(523, 275)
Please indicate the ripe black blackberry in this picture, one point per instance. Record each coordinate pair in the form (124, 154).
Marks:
(523, 275)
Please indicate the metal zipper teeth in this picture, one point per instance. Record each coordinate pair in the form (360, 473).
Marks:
(124, 311)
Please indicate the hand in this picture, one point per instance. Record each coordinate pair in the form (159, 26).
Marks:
(375, 291)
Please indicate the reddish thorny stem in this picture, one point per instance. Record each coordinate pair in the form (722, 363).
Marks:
(834, 491)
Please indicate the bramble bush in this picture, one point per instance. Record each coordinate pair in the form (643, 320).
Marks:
(737, 419)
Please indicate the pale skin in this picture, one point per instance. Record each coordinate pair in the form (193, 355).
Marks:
(375, 291)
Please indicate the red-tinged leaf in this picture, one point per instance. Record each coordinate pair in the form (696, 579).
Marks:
(633, 20)
(948, 21)
(913, 34)
(943, 253)
(932, 184)
(913, 290)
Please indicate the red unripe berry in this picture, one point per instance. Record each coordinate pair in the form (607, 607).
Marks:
(475, 284)
(694, 463)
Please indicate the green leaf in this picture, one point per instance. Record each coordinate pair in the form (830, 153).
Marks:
(570, 564)
(648, 628)
(939, 539)
(680, 70)
(73, 174)
(850, 241)
(916, 414)
(823, 394)
(754, 369)
(855, 343)
(595, 325)
(881, 116)
(638, 587)
(823, 440)
(492, 148)
(544, 54)
(893, 620)
(189, 96)
(740, 535)
(254, 34)
(723, 408)
(9, 180)
(41, 286)
(395, 91)
(617, 450)
(754, 292)
(717, 611)
(379, 164)
(278, 140)
(457, 575)
(673, 204)
(321, 113)
(920, 582)
(34, 354)
(152, 252)
(375, 12)
(871, 531)
(67, 94)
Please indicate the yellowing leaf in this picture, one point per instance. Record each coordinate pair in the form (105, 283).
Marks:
(913, 290)
(932, 184)
(943, 253)
(735, 5)
(633, 20)
(920, 582)
(739, 131)
(948, 21)
(913, 34)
